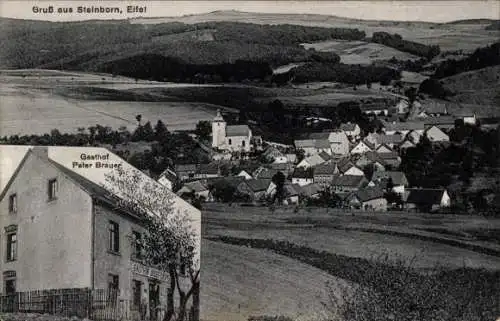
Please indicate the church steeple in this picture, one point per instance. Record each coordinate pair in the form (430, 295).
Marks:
(219, 116)
(218, 130)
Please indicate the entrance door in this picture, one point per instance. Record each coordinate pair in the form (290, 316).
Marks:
(154, 299)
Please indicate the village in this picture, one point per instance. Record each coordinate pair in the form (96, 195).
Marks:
(344, 167)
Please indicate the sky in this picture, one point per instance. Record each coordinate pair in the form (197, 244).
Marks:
(434, 11)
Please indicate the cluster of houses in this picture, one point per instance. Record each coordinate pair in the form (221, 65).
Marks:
(360, 169)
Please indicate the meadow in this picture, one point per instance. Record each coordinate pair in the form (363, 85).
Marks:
(354, 239)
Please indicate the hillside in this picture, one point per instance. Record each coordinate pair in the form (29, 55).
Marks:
(449, 36)
(475, 87)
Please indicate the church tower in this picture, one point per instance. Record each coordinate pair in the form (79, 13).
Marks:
(218, 130)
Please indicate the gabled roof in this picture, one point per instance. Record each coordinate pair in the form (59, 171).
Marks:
(319, 136)
(322, 143)
(398, 178)
(300, 172)
(383, 146)
(258, 185)
(369, 193)
(388, 156)
(265, 173)
(272, 152)
(325, 155)
(442, 120)
(291, 190)
(310, 189)
(196, 186)
(210, 168)
(326, 169)
(344, 164)
(389, 139)
(237, 130)
(424, 196)
(314, 160)
(435, 107)
(185, 167)
(304, 143)
(349, 180)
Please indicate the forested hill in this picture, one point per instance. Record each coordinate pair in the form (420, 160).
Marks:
(90, 44)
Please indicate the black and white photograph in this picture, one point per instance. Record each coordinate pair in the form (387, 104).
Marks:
(249, 160)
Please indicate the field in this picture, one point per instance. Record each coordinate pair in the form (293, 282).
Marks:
(360, 52)
(450, 241)
(37, 101)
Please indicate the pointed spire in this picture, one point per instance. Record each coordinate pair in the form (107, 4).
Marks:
(219, 116)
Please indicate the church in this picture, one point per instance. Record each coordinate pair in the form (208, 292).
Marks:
(234, 138)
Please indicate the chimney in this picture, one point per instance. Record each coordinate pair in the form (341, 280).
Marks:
(41, 151)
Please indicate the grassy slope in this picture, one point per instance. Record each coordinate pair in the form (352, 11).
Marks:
(476, 87)
(239, 282)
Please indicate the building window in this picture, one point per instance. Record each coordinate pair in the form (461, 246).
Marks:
(52, 189)
(114, 237)
(136, 294)
(229, 141)
(9, 280)
(113, 286)
(13, 203)
(243, 143)
(136, 245)
(11, 246)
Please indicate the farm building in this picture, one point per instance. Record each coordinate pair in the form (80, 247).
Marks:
(303, 176)
(196, 189)
(257, 189)
(426, 199)
(324, 173)
(368, 199)
(362, 147)
(348, 183)
(398, 179)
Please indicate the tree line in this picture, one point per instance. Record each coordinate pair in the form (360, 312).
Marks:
(397, 42)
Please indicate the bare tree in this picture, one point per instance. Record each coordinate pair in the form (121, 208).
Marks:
(170, 242)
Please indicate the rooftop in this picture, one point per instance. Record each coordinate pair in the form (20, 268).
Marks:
(237, 130)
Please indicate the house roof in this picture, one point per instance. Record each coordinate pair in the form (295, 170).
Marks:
(403, 126)
(348, 127)
(319, 136)
(314, 160)
(210, 168)
(291, 190)
(185, 167)
(372, 107)
(325, 169)
(196, 186)
(383, 146)
(390, 139)
(344, 164)
(322, 143)
(442, 120)
(305, 143)
(237, 130)
(325, 155)
(258, 185)
(424, 196)
(300, 172)
(398, 178)
(435, 107)
(369, 193)
(310, 189)
(272, 152)
(349, 180)
(265, 173)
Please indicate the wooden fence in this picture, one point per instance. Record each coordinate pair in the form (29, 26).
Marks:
(99, 305)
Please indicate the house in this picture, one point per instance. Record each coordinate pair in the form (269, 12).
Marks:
(437, 135)
(403, 128)
(285, 168)
(352, 170)
(256, 189)
(339, 142)
(348, 183)
(185, 171)
(368, 199)
(168, 178)
(467, 116)
(407, 143)
(403, 106)
(271, 154)
(374, 109)
(384, 148)
(234, 138)
(264, 173)
(414, 137)
(426, 199)
(292, 193)
(303, 176)
(362, 147)
(399, 180)
(390, 159)
(392, 140)
(64, 227)
(324, 173)
(434, 108)
(209, 170)
(195, 188)
(373, 159)
(311, 161)
(291, 158)
(313, 146)
(245, 174)
(352, 130)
